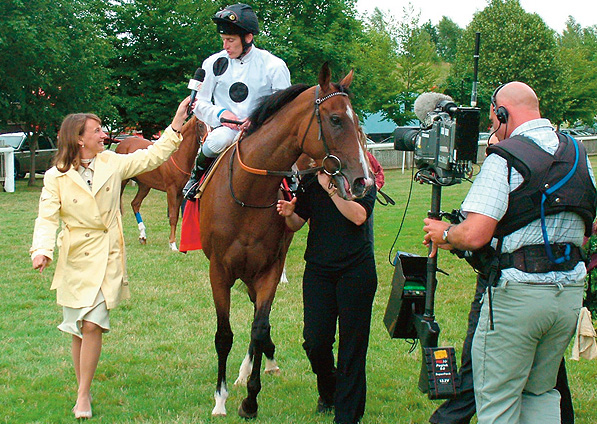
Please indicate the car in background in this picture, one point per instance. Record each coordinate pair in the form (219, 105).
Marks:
(19, 141)
(483, 138)
(575, 132)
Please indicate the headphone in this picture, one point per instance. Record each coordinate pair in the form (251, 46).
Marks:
(500, 112)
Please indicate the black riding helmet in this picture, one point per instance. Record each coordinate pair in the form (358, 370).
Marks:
(237, 19)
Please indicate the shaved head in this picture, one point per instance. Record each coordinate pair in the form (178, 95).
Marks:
(521, 104)
(518, 96)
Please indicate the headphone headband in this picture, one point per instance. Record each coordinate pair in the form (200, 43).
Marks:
(500, 112)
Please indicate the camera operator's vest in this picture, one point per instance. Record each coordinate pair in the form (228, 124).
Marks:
(540, 171)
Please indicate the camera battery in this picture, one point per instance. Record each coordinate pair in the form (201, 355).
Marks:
(442, 372)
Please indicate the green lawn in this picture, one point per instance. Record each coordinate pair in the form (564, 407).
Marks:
(159, 363)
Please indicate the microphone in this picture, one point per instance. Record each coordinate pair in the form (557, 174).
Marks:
(230, 121)
(194, 86)
(428, 102)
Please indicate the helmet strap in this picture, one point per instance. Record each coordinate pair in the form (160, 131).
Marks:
(246, 46)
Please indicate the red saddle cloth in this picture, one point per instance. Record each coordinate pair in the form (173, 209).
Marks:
(190, 236)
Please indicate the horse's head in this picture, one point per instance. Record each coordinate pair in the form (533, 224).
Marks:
(338, 144)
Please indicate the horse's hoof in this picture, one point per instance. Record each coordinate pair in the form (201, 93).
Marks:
(217, 413)
(273, 371)
(142, 240)
(244, 413)
(240, 382)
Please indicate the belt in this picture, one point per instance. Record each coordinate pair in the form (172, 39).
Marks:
(533, 258)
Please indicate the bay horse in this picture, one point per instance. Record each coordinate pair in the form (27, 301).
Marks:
(171, 176)
(241, 232)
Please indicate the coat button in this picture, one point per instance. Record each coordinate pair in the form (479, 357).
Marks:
(107, 188)
(86, 253)
(105, 231)
(74, 200)
(86, 234)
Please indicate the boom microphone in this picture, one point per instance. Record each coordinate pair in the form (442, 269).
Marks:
(428, 102)
(194, 86)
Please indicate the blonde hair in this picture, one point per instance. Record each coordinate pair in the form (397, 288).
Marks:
(71, 129)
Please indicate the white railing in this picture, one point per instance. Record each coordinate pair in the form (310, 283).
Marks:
(394, 159)
(7, 168)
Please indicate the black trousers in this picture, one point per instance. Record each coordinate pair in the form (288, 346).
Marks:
(345, 297)
(462, 409)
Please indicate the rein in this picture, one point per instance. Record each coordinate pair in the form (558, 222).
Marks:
(265, 172)
(198, 140)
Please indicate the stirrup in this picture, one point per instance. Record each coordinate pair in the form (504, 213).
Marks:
(189, 191)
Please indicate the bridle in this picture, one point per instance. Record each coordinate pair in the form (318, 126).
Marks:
(334, 169)
(198, 141)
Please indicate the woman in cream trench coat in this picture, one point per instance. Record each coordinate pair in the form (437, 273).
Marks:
(91, 259)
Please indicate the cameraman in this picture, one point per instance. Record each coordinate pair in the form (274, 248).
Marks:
(529, 311)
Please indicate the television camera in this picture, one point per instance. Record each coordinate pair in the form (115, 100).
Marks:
(445, 147)
(445, 144)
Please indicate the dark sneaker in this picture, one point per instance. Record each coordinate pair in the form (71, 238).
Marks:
(189, 191)
(324, 407)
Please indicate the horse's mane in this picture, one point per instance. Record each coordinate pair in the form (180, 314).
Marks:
(271, 104)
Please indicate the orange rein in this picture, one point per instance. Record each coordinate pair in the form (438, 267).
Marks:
(178, 167)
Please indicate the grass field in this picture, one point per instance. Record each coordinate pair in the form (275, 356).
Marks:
(158, 364)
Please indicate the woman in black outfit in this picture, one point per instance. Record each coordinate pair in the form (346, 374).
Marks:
(339, 284)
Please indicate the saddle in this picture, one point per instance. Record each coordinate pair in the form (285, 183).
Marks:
(208, 174)
(287, 187)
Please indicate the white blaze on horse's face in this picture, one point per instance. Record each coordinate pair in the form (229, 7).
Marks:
(350, 112)
(363, 162)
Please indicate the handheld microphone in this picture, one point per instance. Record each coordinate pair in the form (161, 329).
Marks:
(230, 121)
(194, 86)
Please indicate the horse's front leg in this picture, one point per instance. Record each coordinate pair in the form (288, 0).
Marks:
(261, 342)
(271, 366)
(223, 342)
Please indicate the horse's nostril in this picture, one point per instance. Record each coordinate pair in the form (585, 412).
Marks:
(359, 187)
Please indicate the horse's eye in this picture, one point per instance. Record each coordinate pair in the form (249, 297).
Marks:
(335, 120)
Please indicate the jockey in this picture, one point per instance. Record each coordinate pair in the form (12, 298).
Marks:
(235, 80)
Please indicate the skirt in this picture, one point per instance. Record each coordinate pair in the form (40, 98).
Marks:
(96, 313)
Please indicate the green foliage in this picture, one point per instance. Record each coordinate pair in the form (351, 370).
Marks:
(53, 57)
(591, 284)
(516, 46)
(378, 57)
(448, 35)
(129, 60)
(414, 64)
(578, 49)
(159, 44)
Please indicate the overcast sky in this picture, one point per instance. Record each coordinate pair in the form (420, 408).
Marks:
(553, 12)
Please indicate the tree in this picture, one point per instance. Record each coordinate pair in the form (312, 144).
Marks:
(307, 33)
(515, 45)
(417, 67)
(378, 58)
(52, 64)
(578, 49)
(448, 34)
(159, 44)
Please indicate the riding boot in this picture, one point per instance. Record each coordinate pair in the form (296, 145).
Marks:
(202, 162)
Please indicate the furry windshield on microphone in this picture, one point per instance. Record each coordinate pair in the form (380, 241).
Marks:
(427, 102)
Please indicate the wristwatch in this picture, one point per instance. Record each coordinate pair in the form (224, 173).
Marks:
(445, 234)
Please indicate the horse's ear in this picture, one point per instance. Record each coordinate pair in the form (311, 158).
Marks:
(347, 79)
(325, 75)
